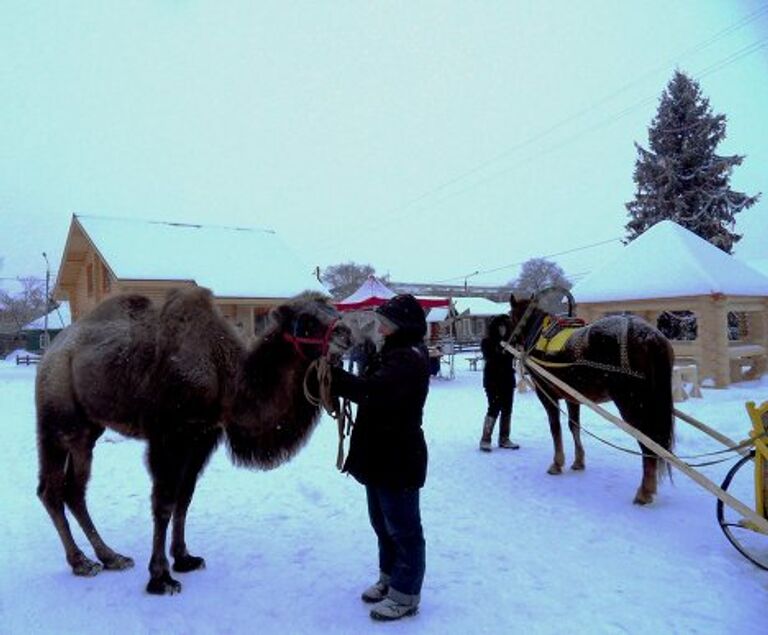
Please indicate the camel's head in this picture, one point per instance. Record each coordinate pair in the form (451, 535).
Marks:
(313, 325)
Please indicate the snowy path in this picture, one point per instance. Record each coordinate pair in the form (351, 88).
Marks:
(509, 548)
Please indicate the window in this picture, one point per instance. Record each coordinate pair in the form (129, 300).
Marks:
(89, 279)
(106, 282)
(678, 325)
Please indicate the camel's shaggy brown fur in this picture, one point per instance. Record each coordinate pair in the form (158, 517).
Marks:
(182, 378)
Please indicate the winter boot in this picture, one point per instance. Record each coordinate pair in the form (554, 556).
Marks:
(377, 591)
(504, 428)
(390, 609)
(485, 440)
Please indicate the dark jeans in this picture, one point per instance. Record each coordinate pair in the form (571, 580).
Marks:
(499, 403)
(396, 519)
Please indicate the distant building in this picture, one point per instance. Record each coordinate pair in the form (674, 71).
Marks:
(669, 271)
(34, 332)
(248, 270)
(472, 316)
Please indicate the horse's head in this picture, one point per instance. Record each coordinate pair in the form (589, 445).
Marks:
(313, 326)
(520, 314)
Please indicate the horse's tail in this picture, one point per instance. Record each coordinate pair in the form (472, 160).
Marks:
(662, 419)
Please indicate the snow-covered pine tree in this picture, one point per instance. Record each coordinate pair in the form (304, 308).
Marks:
(679, 177)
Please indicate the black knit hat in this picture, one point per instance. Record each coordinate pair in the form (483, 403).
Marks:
(405, 312)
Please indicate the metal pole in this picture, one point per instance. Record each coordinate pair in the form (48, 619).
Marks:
(47, 302)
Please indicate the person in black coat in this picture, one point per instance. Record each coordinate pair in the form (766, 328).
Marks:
(499, 383)
(388, 453)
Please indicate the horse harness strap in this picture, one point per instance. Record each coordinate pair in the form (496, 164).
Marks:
(554, 334)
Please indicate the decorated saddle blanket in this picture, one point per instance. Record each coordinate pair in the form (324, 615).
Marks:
(555, 333)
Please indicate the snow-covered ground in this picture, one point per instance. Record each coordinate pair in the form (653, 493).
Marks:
(510, 549)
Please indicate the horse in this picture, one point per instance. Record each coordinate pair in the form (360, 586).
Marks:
(619, 358)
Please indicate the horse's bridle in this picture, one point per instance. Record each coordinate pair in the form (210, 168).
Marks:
(297, 340)
(521, 322)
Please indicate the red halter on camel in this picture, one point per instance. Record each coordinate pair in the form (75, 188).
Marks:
(322, 342)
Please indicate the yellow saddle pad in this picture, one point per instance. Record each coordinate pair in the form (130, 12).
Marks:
(553, 336)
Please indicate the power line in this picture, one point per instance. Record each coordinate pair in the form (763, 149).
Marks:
(748, 50)
(522, 262)
(749, 18)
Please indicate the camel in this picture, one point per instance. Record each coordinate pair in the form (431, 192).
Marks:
(182, 378)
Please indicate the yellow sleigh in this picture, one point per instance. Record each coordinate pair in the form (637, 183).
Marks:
(748, 479)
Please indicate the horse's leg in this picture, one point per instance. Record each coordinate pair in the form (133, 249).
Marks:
(167, 457)
(51, 487)
(78, 473)
(553, 414)
(648, 486)
(574, 423)
(183, 561)
(632, 413)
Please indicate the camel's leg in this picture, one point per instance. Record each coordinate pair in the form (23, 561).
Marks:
(51, 491)
(78, 473)
(553, 414)
(183, 561)
(574, 423)
(167, 458)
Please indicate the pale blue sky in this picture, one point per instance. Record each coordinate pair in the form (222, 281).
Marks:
(429, 139)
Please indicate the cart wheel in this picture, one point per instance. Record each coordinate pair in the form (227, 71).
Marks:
(740, 483)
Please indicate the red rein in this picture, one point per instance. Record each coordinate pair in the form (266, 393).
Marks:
(322, 342)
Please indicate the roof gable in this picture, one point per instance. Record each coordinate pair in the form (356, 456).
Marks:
(231, 261)
(669, 261)
(59, 318)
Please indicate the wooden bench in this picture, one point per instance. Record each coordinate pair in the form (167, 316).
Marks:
(473, 361)
(685, 374)
(749, 356)
(26, 360)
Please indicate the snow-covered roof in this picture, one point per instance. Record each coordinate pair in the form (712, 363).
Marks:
(236, 262)
(479, 306)
(57, 319)
(438, 314)
(669, 261)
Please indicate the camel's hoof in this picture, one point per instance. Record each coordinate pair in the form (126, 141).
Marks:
(163, 585)
(555, 469)
(116, 562)
(578, 466)
(188, 563)
(86, 567)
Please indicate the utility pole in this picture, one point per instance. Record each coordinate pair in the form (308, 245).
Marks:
(47, 303)
(469, 275)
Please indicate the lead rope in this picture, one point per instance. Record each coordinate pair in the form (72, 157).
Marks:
(342, 412)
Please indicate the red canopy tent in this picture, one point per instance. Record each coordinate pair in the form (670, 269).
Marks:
(373, 293)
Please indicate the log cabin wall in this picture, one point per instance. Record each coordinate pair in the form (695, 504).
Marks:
(711, 351)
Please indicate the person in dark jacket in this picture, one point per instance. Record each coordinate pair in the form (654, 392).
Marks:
(388, 453)
(499, 383)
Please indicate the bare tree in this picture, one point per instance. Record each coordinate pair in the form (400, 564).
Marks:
(346, 277)
(25, 305)
(537, 274)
